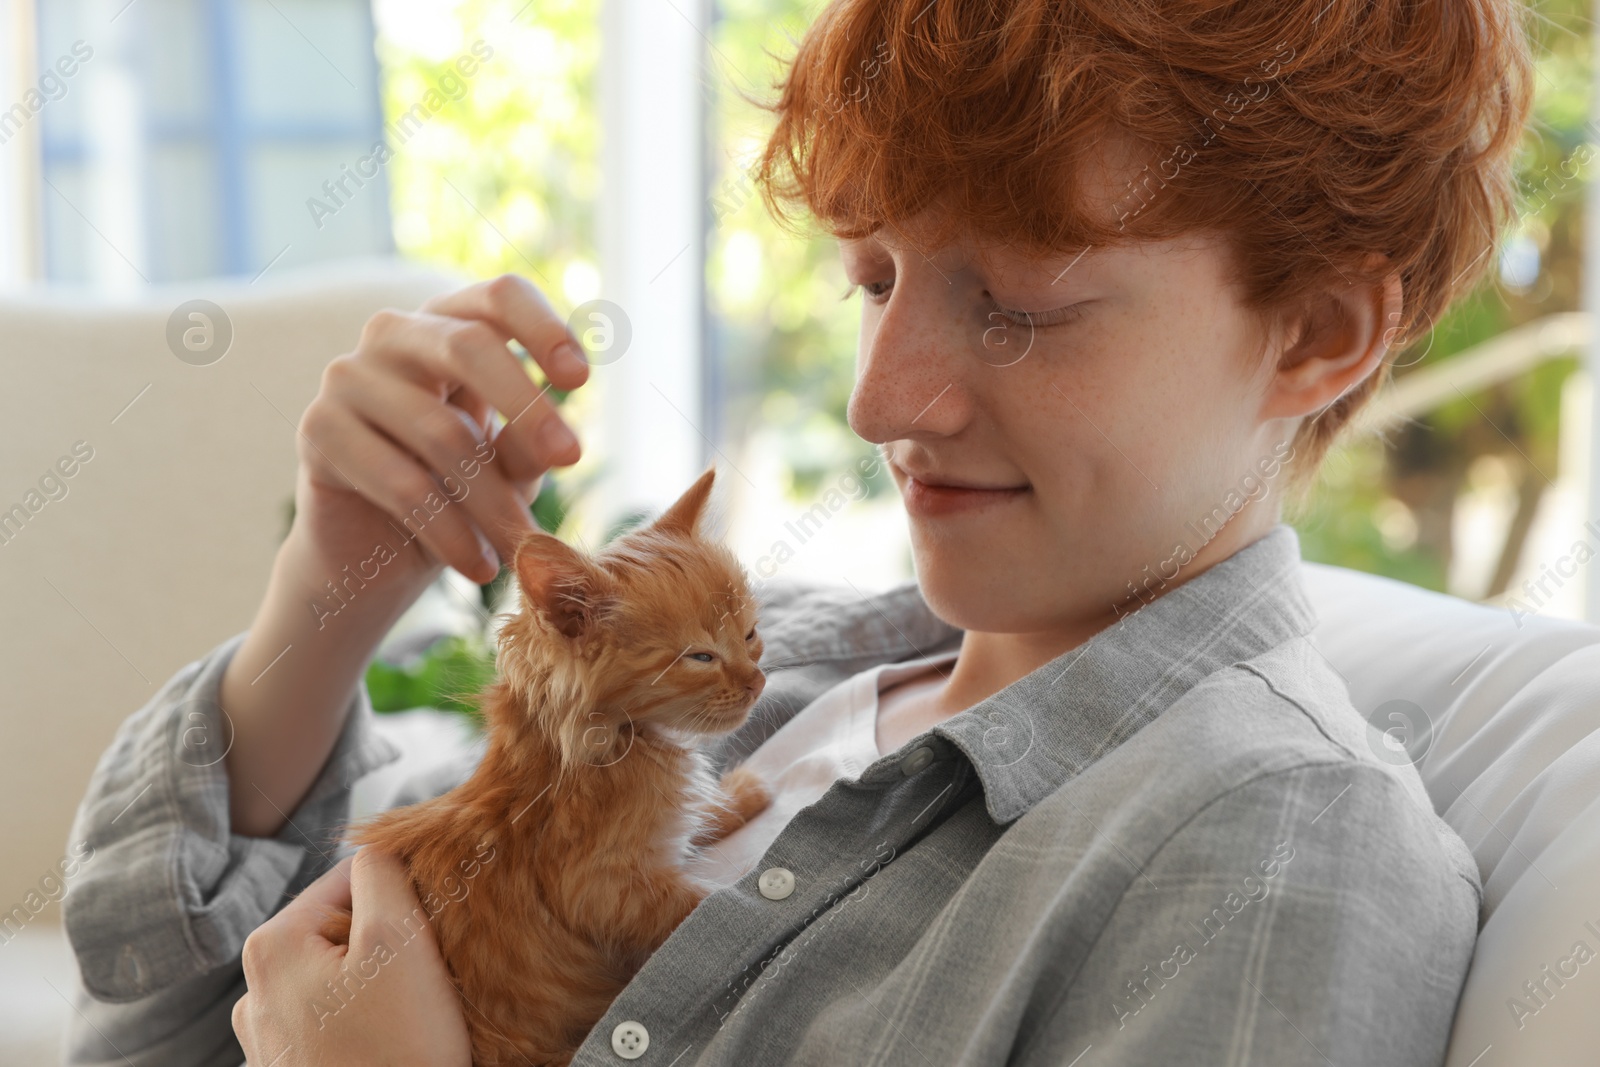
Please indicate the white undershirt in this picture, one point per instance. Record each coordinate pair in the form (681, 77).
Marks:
(833, 737)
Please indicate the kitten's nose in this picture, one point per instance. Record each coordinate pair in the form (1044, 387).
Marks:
(756, 683)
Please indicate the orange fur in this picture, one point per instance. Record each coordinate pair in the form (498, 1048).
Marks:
(554, 872)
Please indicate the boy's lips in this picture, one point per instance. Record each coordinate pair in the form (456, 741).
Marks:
(928, 494)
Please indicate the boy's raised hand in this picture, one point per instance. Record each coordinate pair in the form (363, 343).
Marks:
(408, 415)
(401, 472)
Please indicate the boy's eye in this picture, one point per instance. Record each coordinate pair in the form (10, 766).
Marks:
(877, 292)
(1053, 317)
(703, 657)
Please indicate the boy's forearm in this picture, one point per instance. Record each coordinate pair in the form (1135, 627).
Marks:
(286, 688)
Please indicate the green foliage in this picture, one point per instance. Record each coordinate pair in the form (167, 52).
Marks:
(628, 521)
(1426, 467)
(504, 178)
(778, 298)
(453, 670)
(549, 507)
(1340, 525)
(449, 676)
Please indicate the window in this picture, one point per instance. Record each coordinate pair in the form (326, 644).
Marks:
(195, 138)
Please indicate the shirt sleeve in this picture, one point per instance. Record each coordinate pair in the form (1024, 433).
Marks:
(166, 893)
(1309, 917)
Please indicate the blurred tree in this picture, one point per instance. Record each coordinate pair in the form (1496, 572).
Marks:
(786, 335)
(501, 178)
(1540, 265)
(504, 177)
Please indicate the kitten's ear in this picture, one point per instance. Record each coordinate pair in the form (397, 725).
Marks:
(559, 582)
(683, 517)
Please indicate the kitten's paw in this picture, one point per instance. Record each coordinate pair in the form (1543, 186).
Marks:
(747, 793)
(745, 796)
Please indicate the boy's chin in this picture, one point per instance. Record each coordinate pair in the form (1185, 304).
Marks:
(969, 595)
(999, 595)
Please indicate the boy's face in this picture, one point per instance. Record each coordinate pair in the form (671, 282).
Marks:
(1095, 442)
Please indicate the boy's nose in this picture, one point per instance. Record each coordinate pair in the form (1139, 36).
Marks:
(905, 389)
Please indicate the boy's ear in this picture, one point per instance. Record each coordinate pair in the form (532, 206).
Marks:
(560, 583)
(1342, 341)
(683, 517)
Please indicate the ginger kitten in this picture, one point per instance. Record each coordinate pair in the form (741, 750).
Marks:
(553, 873)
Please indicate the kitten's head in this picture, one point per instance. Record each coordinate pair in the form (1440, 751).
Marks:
(658, 629)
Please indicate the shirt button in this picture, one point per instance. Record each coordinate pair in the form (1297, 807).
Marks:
(629, 1040)
(776, 883)
(918, 759)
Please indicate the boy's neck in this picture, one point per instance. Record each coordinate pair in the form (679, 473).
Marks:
(988, 662)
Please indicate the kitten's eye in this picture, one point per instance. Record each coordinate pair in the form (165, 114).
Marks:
(703, 657)
(751, 636)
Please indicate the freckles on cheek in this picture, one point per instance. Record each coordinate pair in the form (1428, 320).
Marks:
(1083, 415)
(1069, 464)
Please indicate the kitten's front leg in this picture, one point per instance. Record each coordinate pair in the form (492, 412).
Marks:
(743, 796)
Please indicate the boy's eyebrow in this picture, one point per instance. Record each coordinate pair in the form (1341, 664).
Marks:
(1057, 267)
(863, 246)
(1072, 264)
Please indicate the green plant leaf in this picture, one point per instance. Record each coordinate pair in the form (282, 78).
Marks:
(449, 676)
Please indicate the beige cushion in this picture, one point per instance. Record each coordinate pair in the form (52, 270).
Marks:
(163, 541)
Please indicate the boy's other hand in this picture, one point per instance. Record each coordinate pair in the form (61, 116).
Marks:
(386, 999)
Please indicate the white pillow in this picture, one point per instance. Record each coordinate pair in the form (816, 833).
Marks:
(1502, 714)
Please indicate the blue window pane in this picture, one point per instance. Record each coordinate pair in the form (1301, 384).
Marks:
(215, 121)
(307, 60)
(178, 87)
(61, 24)
(353, 220)
(185, 209)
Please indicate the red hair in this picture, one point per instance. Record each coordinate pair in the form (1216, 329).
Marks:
(1311, 132)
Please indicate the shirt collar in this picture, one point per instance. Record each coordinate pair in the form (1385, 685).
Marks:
(1032, 736)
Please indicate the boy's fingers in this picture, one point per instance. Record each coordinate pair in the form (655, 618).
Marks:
(451, 447)
(431, 348)
(517, 307)
(306, 913)
(393, 479)
(383, 899)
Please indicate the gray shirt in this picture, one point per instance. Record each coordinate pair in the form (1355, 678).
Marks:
(1172, 844)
